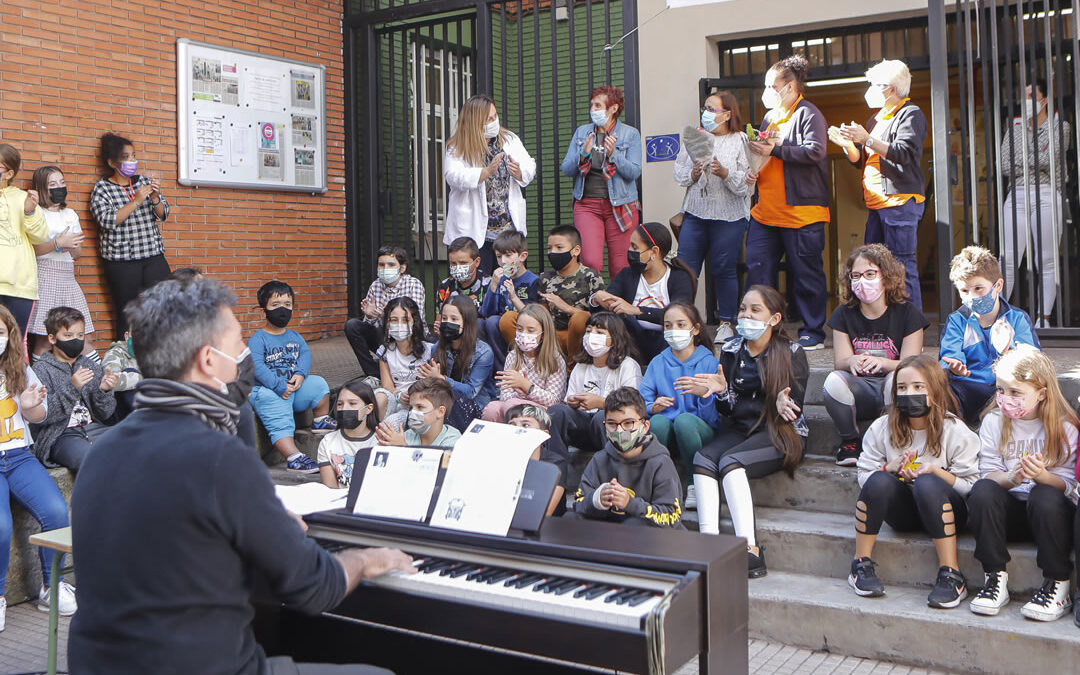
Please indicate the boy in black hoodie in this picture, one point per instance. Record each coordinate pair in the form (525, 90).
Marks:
(632, 480)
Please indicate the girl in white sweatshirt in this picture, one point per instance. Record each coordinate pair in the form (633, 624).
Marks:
(1028, 488)
(917, 463)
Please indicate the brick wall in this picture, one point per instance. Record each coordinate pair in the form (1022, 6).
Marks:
(71, 70)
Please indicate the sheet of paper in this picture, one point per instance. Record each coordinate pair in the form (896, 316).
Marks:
(241, 146)
(264, 90)
(483, 481)
(310, 498)
(208, 150)
(398, 482)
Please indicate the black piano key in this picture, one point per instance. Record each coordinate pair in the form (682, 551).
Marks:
(428, 564)
(525, 580)
(642, 597)
(566, 588)
(585, 589)
(462, 570)
(496, 578)
(626, 597)
(598, 591)
(439, 566)
(488, 573)
(567, 584)
(617, 594)
(539, 588)
(471, 576)
(447, 570)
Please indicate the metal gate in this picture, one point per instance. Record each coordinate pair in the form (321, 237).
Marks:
(410, 66)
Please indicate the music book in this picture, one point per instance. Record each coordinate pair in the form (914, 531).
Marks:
(310, 498)
(398, 482)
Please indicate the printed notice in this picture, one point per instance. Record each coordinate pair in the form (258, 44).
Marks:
(303, 130)
(304, 167)
(209, 147)
(303, 89)
(263, 90)
(398, 483)
(241, 146)
(270, 166)
(206, 79)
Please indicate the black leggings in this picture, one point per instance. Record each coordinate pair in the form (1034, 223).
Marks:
(999, 516)
(20, 308)
(920, 505)
(730, 450)
(128, 278)
(364, 338)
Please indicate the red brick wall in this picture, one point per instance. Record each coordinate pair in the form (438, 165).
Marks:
(71, 70)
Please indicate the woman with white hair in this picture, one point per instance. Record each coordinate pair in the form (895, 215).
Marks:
(889, 150)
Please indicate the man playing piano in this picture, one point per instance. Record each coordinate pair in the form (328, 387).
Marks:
(173, 516)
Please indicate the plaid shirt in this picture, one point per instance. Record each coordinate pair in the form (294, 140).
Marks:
(379, 294)
(138, 237)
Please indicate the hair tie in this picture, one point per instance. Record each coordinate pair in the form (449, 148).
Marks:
(646, 231)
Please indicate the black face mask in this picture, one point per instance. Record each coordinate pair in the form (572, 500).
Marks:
(560, 260)
(279, 317)
(449, 331)
(58, 195)
(634, 259)
(348, 419)
(912, 405)
(71, 348)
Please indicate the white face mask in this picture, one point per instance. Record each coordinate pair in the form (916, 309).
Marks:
(527, 342)
(595, 344)
(678, 339)
(3, 344)
(1033, 107)
(461, 273)
(399, 331)
(770, 98)
(875, 97)
(491, 129)
(223, 386)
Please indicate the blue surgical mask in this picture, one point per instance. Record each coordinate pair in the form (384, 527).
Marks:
(389, 275)
(982, 304)
(708, 120)
(751, 329)
(598, 117)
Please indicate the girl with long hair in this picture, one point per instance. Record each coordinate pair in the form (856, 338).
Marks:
(486, 167)
(873, 330)
(758, 391)
(357, 415)
(22, 226)
(1028, 484)
(402, 352)
(463, 360)
(918, 463)
(535, 370)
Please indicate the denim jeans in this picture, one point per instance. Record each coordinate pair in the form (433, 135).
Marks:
(897, 227)
(722, 241)
(23, 477)
(802, 246)
(276, 413)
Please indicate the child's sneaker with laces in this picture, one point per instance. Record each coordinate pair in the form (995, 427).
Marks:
(3, 613)
(691, 498)
(1050, 602)
(994, 594)
(864, 579)
(323, 424)
(67, 604)
(949, 589)
(302, 464)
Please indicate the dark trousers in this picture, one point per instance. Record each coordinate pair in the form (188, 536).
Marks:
(71, 447)
(364, 338)
(128, 278)
(581, 429)
(972, 396)
(910, 507)
(869, 395)
(21, 309)
(721, 241)
(803, 246)
(649, 342)
(998, 516)
(897, 227)
(730, 449)
(488, 260)
(283, 665)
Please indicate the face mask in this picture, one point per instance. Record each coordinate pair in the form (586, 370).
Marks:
(449, 331)
(1013, 406)
(981, 304)
(350, 419)
(461, 273)
(708, 120)
(527, 342)
(751, 329)
(399, 332)
(3, 344)
(625, 441)
(595, 344)
(510, 269)
(389, 275)
(770, 98)
(418, 422)
(279, 317)
(874, 97)
(866, 290)
(560, 260)
(912, 405)
(223, 386)
(598, 117)
(491, 129)
(58, 195)
(633, 258)
(128, 169)
(678, 339)
(71, 348)
(1033, 107)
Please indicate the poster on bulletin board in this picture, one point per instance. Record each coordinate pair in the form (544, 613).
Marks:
(251, 121)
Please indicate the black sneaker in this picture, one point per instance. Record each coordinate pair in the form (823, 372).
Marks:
(949, 589)
(848, 454)
(756, 563)
(864, 578)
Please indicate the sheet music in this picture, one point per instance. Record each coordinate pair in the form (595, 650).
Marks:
(398, 482)
(483, 481)
(310, 498)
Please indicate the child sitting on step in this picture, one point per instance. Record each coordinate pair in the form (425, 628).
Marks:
(356, 416)
(917, 463)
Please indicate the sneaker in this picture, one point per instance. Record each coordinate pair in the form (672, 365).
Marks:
(810, 344)
(323, 424)
(67, 605)
(1049, 602)
(848, 453)
(755, 564)
(302, 464)
(864, 578)
(994, 594)
(723, 332)
(949, 589)
(3, 613)
(690, 504)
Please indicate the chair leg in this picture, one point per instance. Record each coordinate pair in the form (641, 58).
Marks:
(54, 611)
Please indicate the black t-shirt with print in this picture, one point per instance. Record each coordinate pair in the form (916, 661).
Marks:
(882, 336)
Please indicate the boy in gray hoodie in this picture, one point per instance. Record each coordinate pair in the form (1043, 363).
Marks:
(632, 480)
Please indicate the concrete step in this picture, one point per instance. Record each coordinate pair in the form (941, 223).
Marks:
(824, 614)
(819, 485)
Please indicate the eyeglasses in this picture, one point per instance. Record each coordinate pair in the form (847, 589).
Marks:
(628, 424)
(712, 110)
(869, 275)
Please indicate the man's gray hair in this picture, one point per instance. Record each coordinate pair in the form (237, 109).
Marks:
(172, 320)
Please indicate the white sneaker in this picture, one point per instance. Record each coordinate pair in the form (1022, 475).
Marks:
(1050, 602)
(691, 498)
(3, 612)
(994, 594)
(67, 599)
(723, 332)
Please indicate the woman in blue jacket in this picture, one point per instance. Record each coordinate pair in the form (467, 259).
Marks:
(604, 159)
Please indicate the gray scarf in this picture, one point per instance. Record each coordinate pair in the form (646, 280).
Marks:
(213, 408)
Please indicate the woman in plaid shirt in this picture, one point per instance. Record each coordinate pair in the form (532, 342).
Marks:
(127, 208)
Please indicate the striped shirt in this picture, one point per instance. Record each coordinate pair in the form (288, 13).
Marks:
(138, 237)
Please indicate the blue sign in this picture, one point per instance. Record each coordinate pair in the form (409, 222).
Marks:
(663, 148)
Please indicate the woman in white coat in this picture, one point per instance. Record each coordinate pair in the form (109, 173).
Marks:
(486, 167)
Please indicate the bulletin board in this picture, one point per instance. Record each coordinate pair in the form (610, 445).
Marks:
(247, 120)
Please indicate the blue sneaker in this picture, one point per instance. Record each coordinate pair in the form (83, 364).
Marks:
(324, 424)
(302, 464)
(810, 344)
